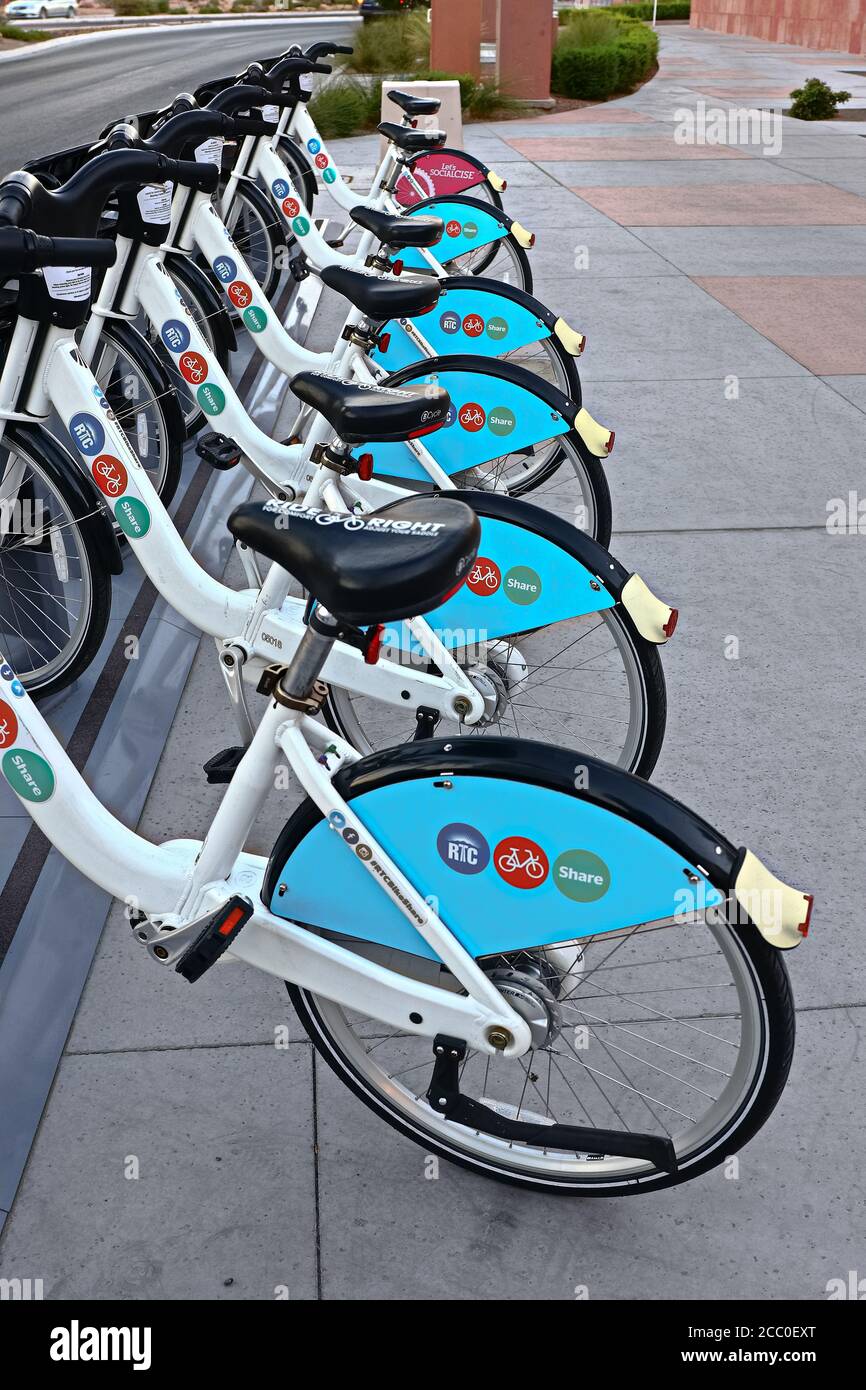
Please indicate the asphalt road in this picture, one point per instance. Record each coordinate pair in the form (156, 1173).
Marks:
(62, 96)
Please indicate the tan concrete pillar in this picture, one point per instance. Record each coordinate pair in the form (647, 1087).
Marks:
(523, 47)
(455, 36)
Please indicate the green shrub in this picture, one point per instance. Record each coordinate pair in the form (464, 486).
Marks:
(600, 52)
(8, 31)
(346, 106)
(668, 9)
(397, 45)
(815, 101)
(139, 7)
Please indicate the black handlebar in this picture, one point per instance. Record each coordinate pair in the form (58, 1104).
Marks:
(325, 50)
(78, 204)
(23, 251)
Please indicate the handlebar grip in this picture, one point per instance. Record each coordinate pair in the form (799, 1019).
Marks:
(253, 125)
(22, 251)
(61, 250)
(191, 174)
(13, 206)
(323, 49)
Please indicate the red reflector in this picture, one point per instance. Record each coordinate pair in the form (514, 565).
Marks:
(374, 645)
(426, 309)
(669, 628)
(396, 267)
(231, 921)
(458, 585)
(531, 240)
(428, 429)
(413, 123)
(504, 185)
(803, 928)
(365, 467)
(609, 445)
(384, 342)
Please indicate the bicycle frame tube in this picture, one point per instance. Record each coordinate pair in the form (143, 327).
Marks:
(167, 882)
(267, 621)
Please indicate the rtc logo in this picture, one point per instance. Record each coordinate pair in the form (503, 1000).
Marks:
(321, 161)
(240, 294)
(473, 326)
(453, 229)
(280, 188)
(472, 417)
(8, 725)
(193, 367)
(110, 474)
(521, 862)
(87, 433)
(291, 207)
(463, 848)
(225, 269)
(484, 577)
(449, 322)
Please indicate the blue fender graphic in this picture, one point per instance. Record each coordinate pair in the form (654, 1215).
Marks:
(510, 865)
(466, 228)
(489, 416)
(520, 580)
(479, 321)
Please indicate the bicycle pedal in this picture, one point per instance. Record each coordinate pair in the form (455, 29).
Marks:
(221, 768)
(217, 934)
(219, 451)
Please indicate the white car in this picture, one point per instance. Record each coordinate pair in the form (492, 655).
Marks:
(41, 9)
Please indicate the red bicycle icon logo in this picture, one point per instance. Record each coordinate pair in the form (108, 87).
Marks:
(528, 863)
(521, 862)
(484, 576)
(472, 416)
(240, 294)
(114, 484)
(110, 475)
(473, 326)
(193, 367)
(8, 726)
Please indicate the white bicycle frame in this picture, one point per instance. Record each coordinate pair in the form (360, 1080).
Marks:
(182, 882)
(284, 470)
(259, 624)
(258, 158)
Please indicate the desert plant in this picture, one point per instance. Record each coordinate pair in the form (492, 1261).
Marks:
(139, 7)
(815, 101)
(393, 45)
(346, 105)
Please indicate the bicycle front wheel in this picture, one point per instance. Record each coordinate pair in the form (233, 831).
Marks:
(144, 399)
(55, 586)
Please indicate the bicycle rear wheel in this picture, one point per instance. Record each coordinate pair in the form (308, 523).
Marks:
(55, 580)
(646, 1050)
(654, 1008)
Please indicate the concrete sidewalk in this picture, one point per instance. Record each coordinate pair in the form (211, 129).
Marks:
(723, 293)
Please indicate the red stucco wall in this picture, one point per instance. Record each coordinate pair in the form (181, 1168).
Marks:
(834, 24)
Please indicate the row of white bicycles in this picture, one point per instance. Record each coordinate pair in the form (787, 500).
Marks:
(505, 940)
